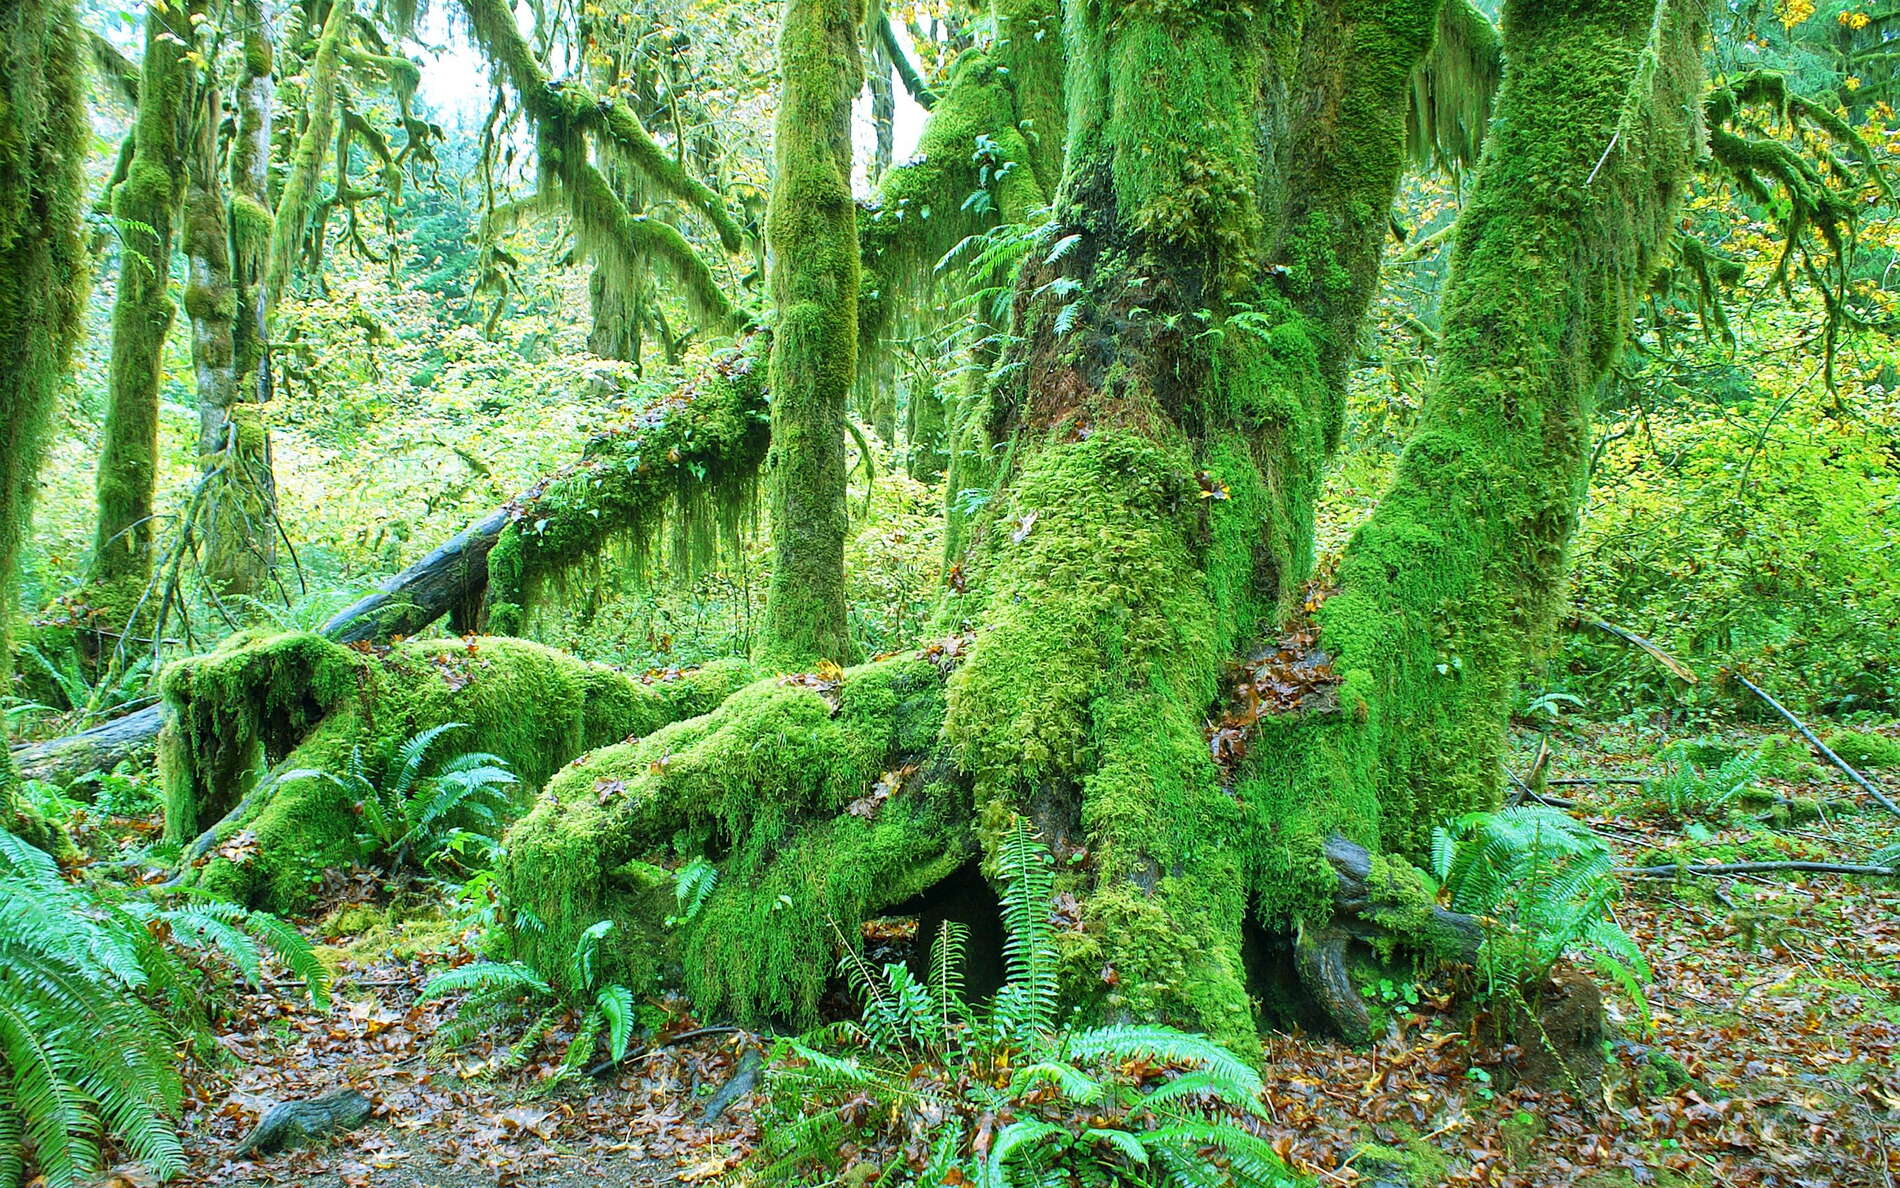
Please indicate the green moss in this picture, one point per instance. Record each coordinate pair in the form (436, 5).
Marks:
(689, 463)
(1864, 748)
(143, 205)
(297, 201)
(1454, 581)
(300, 702)
(44, 276)
(763, 786)
(812, 236)
(622, 244)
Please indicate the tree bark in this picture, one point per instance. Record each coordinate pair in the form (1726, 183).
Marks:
(44, 276)
(812, 241)
(144, 206)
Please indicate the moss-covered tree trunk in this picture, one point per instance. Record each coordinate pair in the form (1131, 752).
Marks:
(144, 208)
(44, 272)
(812, 238)
(227, 243)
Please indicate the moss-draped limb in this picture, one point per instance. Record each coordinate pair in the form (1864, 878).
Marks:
(776, 786)
(1455, 579)
(563, 116)
(690, 461)
(811, 239)
(44, 276)
(1454, 87)
(298, 701)
(144, 206)
(298, 200)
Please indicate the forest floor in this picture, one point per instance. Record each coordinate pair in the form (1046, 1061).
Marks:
(1768, 1057)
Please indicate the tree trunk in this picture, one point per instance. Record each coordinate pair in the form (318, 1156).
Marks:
(43, 278)
(240, 523)
(1183, 337)
(812, 238)
(143, 206)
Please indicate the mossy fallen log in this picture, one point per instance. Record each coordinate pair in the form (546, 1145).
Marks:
(259, 706)
(688, 461)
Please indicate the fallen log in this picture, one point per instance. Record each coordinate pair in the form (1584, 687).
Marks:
(452, 578)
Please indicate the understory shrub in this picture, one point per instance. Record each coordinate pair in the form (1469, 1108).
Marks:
(1544, 884)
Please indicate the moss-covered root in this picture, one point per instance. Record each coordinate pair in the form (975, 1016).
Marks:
(43, 279)
(811, 234)
(820, 802)
(1455, 580)
(298, 701)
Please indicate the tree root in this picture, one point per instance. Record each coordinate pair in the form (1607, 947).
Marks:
(1367, 908)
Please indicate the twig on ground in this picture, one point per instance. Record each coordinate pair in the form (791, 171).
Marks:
(1866, 786)
(1742, 868)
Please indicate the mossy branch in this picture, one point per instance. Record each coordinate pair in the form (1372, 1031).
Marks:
(562, 115)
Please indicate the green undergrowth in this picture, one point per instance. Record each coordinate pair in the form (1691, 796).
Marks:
(532, 706)
(817, 801)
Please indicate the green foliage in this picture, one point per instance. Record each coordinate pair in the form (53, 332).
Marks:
(1544, 885)
(497, 995)
(1122, 1104)
(1693, 791)
(413, 811)
(94, 995)
(1744, 526)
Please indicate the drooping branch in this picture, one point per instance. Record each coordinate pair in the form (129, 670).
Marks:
(297, 202)
(906, 69)
(563, 115)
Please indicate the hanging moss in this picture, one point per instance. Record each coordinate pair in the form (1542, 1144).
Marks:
(689, 462)
(775, 786)
(297, 202)
(301, 702)
(43, 281)
(144, 205)
(812, 239)
(620, 242)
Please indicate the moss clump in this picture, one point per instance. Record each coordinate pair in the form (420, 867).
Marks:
(236, 710)
(776, 787)
(1863, 748)
(300, 702)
